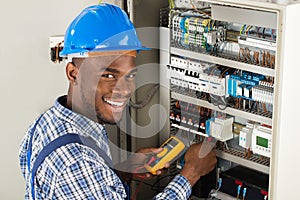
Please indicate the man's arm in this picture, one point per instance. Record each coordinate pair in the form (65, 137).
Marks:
(195, 167)
(178, 188)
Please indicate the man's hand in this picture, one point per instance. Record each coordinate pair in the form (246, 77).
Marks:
(142, 155)
(135, 164)
(194, 166)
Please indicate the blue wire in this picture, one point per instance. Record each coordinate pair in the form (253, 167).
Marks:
(239, 190)
(220, 182)
(244, 192)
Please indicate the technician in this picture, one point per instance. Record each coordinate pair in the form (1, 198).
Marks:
(65, 152)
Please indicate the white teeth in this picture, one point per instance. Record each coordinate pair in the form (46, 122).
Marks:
(113, 103)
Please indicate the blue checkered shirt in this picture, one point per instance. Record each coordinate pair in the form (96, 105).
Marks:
(75, 171)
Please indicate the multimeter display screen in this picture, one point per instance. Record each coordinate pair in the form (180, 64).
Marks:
(171, 144)
(168, 146)
(262, 141)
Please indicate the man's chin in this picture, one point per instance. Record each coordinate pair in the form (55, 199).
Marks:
(112, 121)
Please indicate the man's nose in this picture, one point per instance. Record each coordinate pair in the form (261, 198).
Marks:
(124, 87)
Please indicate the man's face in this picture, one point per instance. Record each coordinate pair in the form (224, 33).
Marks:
(105, 84)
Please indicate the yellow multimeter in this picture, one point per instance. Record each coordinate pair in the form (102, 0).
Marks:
(171, 149)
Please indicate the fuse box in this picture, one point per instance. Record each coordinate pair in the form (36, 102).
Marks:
(235, 50)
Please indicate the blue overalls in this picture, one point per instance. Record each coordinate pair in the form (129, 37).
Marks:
(59, 142)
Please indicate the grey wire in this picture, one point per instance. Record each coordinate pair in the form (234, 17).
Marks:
(146, 100)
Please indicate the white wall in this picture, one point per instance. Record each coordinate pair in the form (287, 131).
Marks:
(29, 82)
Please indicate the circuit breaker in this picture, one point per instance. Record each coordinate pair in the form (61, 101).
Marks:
(221, 63)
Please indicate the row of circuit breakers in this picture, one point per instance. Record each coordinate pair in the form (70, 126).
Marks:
(199, 76)
(252, 136)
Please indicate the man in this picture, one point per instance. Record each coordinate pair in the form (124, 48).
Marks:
(101, 45)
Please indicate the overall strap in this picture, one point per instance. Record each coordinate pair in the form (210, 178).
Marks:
(62, 141)
(29, 151)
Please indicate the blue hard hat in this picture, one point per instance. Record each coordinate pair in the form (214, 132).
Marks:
(102, 27)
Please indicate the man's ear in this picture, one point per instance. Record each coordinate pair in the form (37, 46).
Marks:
(72, 72)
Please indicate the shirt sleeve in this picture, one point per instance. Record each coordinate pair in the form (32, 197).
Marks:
(179, 188)
(88, 180)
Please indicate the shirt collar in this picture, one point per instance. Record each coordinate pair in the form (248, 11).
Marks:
(86, 126)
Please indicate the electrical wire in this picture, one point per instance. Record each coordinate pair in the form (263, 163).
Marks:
(142, 178)
(57, 50)
(199, 11)
(242, 29)
(213, 193)
(171, 4)
(154, 186)
(263, 33)
(137, 173)
(218, 101)
(139, 181)
(226, 145)
(273, 35)
(238, 192)
(138, 189)
(248, 29)
(146, 100)
(244, 193)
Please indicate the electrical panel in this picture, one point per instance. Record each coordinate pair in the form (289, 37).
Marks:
(221, 69)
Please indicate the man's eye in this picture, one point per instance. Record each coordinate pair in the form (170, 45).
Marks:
(108, 76)
(131, 76)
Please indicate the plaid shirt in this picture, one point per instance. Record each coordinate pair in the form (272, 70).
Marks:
(75, 171)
